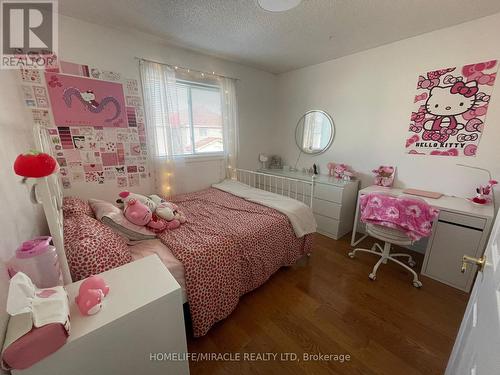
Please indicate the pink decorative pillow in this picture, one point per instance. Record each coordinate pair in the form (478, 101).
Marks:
(74, 205)
(92, 247)
(113, 217)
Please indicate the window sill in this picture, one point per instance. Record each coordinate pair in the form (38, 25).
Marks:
(199, 158)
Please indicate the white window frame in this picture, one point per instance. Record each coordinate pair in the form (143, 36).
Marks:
(194, 154)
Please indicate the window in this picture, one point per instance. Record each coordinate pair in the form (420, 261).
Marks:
(200, 129)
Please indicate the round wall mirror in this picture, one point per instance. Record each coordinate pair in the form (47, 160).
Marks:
(314, 132)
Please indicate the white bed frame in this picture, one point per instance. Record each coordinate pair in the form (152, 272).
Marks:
(301, 190)
(47, 191)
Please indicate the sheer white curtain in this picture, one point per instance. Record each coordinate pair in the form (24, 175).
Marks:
(164, 134)
(162, 119)
(230, 124)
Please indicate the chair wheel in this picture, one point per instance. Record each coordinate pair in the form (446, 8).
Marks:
(417, 284)
(412, 263)
(351, 255)
(372, 276)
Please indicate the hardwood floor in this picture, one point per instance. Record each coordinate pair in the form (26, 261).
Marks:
(326, 304)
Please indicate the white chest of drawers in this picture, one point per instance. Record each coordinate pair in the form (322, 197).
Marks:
(334, 201)
(140, 323)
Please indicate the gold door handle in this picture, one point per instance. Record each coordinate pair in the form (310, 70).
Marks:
(479, 262)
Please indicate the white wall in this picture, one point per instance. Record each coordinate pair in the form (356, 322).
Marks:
(111, 49)
(20, 220)
(370, 97)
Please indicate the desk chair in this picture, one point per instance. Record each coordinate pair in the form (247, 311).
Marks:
(390, 236)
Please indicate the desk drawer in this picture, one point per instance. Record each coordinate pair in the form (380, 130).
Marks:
(453, 218)
(328, 193)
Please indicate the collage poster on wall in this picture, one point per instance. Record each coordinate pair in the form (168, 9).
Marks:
(450, 110)
(95, 120)
(79, 101)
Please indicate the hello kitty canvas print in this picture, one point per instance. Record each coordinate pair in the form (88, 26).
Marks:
(450, 110)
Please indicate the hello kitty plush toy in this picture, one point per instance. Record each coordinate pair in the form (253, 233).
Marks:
(126, 196)
(167, 210)
(90, 295)
(339, 170)
(140, 214)
(445, 103)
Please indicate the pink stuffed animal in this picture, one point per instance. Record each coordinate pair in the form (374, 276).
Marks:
(89, 301)
(140, 214)
(95, 282)
(339, 170)
(90, 295)
(384, 175)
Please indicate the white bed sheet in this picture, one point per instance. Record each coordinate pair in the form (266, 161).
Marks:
(145, 248)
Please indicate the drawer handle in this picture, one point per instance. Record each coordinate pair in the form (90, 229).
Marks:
(479, 262)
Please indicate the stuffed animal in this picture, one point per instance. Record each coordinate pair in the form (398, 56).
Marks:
(95, 282)
(90, 295)
(384, 175)
(89, 301)
(140, 214)
(339, 170)
(167, 210)
(127, 196)
(163, 209)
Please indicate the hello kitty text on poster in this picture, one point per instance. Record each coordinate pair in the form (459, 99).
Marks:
(450, 110)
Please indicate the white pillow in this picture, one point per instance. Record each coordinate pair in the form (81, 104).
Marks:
(113, 217)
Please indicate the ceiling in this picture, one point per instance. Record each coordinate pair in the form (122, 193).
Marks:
(313, 32)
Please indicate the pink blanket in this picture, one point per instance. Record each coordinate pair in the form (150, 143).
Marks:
(412, 216)
(228, 247)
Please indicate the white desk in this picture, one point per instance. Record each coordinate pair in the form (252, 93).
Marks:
(461, 228)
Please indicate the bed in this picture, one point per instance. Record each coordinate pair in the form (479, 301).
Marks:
(236, 237)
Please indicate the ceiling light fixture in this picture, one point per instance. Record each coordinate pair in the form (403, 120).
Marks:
(278, 5)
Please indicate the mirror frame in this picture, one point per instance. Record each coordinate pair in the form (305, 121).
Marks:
(332, 134)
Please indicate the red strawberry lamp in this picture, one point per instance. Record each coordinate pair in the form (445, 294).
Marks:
(35, 164)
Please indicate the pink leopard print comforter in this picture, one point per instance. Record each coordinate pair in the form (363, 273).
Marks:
(228, 247)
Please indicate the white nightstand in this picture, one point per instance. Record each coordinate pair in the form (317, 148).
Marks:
(141, 317)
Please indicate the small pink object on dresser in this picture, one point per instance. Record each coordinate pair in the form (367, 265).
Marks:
(90, 295)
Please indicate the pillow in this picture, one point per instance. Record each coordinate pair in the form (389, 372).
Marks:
(113, 217)
(91, 247)
(74, 205)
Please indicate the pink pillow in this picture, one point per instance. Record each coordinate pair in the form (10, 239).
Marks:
(74, 205)
(113, 217)
(92, 247)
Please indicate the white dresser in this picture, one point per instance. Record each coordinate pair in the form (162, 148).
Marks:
(334, 201)
(140, 324)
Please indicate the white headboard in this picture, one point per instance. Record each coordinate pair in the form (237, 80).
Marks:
(47, 191)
